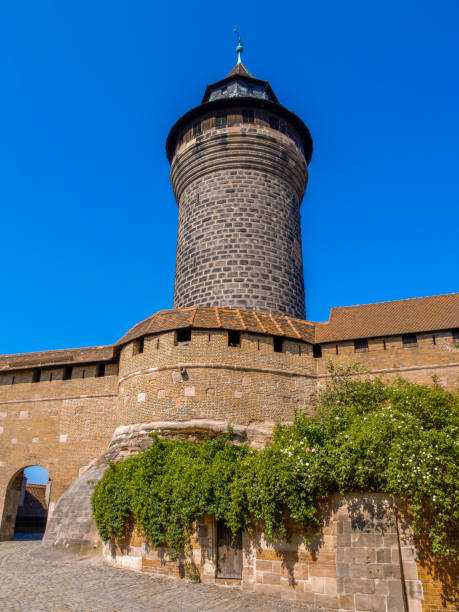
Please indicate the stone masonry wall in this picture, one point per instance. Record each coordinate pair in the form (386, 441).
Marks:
(364, 559)
(60, 425)
(434, 354)
(243, 384)
(239, 191)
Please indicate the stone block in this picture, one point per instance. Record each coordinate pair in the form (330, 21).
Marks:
(381, 587)
(316, 584)
(264, 566)
(300, 571)
(328, 571)
(271, 578)
(359, 586)
(410, 571)
(384, 555)
(358, 554)
(395, 589)
(414, 589)
(342, 570)
(394, 604)
(327, 601)
(370, 603)
(370, 570)
(343, 539)
(347, 602)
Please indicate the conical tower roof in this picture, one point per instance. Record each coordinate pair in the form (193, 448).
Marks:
(239, 84)
(240, 70)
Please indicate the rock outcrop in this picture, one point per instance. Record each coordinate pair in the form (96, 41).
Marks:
(71, 526)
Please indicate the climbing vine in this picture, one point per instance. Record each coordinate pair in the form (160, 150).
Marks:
(398, 438)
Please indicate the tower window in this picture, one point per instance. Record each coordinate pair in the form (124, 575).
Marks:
(274, 123)
(100, 370)
(220, 120)
(316, 351)
(138, 346)
(247, 116)
(183, 336)
(278, 344)
(234, 338)
(197, 128)
(36, 375)
(456, 334)
(409, 340)
(67, 373)
(361, 345)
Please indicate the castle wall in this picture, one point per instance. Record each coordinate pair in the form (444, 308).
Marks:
(239, 191)
(242, 384)
(60, 425)
(389, 357)
(365, 558)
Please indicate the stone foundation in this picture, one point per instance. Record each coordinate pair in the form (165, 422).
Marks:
(364, 559)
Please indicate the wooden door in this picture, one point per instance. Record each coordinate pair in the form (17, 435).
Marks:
(229, 553)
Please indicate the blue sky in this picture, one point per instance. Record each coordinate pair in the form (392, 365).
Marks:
(90, 90)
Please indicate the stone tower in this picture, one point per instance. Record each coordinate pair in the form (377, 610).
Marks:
(239, 168)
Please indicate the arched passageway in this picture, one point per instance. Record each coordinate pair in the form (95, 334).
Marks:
(26, 504)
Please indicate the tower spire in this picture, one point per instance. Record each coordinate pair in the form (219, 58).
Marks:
(240, 46)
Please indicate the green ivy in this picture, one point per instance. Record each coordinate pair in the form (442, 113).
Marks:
(367, 435)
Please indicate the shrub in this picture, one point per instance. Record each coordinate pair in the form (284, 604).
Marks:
(398, 438)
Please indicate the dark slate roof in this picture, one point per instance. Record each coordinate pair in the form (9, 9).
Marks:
(240, 70)
(239, 84)
(242, 89)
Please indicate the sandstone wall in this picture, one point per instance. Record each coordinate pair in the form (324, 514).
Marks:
(434, 354)
(207, 378)
(60, 425)
(364, 559)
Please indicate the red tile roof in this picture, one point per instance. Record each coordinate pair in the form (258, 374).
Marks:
(24, 361)
(435, 313)
(390, 318)
(210, 317)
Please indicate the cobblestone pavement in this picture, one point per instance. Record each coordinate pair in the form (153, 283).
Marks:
(33, 584)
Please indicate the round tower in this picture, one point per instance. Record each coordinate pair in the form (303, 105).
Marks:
(239, 167)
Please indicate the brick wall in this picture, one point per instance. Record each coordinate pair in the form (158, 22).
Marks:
(389, 357)
(242, 384)
(239, 191)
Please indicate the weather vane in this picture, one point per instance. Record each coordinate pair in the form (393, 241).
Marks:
(240, 46)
